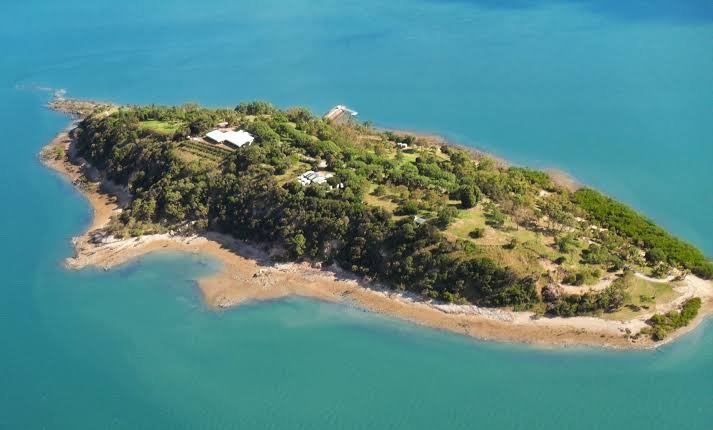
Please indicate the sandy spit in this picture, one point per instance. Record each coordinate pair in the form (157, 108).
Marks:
(248, 274)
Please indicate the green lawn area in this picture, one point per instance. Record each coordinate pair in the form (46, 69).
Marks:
(573, 258)
(530, 247)
(467, 221)
(164, 127)
(383, 202)
(380, 201)
(649, 293)
(193, 157)
(523, 259)
(643, 293)
(473, 218)
(410, 156)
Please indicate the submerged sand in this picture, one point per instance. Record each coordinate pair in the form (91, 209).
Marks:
(248, 274)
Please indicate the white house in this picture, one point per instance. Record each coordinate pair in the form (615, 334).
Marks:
(233, 138)
(217, 136)
(238, 138)
(311, 177)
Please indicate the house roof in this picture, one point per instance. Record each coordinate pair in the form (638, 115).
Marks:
(312, 177)
(238, 138)
(216, 135)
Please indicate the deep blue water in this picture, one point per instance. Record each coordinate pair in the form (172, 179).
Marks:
(618, 95)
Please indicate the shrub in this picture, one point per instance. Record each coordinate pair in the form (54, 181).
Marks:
(445, 216)
(495, 218)
(661, 270)
(408, 208)
(512, 244)
(663, 324)
(576, 279)
(565, 243)
(477, 233)
(704, 270)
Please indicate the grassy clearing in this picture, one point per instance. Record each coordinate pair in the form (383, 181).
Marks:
(191, 151)
(192, 157)
(467, 221)
(382, 202)
(523, 258)
(163, 127)
(643, 294)
(530, 246)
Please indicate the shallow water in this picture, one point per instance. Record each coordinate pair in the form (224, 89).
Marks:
(619, 96)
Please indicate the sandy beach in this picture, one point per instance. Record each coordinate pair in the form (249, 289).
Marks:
(248, 274)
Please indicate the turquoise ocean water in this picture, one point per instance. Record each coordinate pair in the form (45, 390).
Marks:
(618, 95)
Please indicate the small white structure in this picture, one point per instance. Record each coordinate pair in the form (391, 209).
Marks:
(311, 177)
(222, 124)
(402, 145)
(418, 220)
(231, 137)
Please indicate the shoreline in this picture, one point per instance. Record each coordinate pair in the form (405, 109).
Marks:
(247, 275)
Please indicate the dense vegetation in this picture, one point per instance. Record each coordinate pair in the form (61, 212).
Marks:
(659, 245)
(663, 324)
(611, 299)
(432, 218)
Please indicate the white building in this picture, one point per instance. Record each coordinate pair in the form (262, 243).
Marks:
(233, 138)
(238, 138)
(217, 136)
(311, 177)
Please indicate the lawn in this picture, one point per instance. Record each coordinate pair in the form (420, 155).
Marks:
(191, 157)
(163, 127)
(467, 221)
(643, 293)
(523, 259)
(382, 202)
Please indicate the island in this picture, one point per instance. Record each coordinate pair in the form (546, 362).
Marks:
(394, 222)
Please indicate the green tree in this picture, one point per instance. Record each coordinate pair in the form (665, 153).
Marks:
(494, 217)
(445, 216)
(297, 245)
(468, 196)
